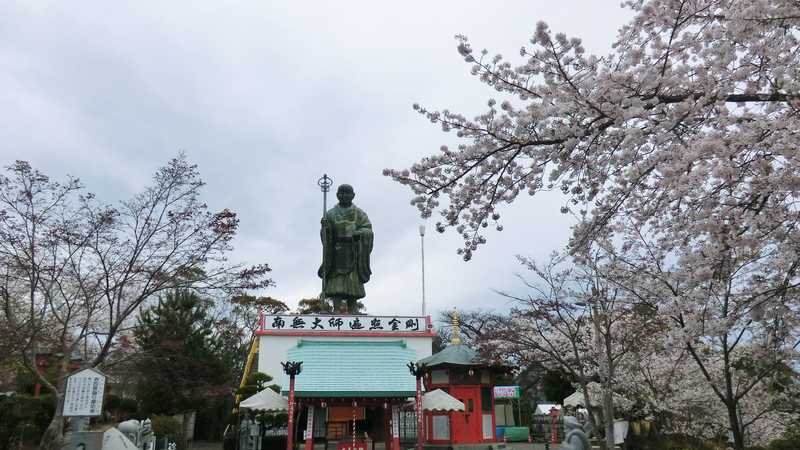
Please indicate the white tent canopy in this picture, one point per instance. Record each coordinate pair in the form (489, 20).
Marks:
(438, 400)
(544, 408)
(575, 399)
(266, 400)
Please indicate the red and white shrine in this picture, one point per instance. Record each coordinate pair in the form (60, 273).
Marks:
(355, 386)
(460, 372)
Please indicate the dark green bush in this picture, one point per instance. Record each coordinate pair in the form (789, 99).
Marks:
(167, 426)
(23, 418)
(784, 444)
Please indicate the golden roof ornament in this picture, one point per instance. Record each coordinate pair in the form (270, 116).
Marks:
(456, 334)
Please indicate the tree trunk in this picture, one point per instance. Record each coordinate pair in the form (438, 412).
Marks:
(187, 429)
(608, 393)
(736, 427)
(53, 437)
(730, 398)
(593, 413)
(608, 414)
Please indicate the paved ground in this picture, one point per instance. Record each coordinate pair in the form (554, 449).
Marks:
(204, 445)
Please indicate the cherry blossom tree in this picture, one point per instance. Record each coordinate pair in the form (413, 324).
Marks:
(574, 321)
(677, 153)
(698, 97)
(76, 270)
(664, 384)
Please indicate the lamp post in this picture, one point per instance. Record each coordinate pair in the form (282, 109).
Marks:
(418, 370)
(291, 368)
(422, 249)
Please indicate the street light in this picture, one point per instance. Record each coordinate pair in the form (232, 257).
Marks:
(422, 248)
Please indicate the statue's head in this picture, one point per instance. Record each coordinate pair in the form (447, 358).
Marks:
(345, 194)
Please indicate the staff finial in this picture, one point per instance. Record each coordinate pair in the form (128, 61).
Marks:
(325, 184)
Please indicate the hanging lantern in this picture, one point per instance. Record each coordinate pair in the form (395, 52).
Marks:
(471, 372)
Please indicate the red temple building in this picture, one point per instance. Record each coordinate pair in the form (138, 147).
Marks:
(460, 372)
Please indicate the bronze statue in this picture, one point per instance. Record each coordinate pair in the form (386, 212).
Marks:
(346, 245)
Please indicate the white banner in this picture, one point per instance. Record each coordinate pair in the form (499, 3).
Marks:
(310, 423)
(395, 421)
(334, 323)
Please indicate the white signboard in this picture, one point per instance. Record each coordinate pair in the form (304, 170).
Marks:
(334, 323)
(84, 393)
(506, 392)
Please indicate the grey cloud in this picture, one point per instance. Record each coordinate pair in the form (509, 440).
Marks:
(265, 97)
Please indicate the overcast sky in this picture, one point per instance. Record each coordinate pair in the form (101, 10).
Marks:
(265, 97)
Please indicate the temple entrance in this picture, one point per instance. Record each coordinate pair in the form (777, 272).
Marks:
(466, 425)
(369, 423)
(334, 425)
(374, 423)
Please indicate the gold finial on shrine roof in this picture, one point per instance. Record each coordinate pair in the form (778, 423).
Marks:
(456, 338)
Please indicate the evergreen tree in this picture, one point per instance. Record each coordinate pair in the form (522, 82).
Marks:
(181, 364)
(318, 305)
(257, 382)
(314, 306)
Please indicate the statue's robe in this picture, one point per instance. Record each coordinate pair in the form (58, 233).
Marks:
(346, 246)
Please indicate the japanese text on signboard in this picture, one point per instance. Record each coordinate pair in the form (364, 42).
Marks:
(506, 392)
(84, 393)
(343, 323)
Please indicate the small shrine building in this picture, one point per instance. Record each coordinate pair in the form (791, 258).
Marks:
(460, 372)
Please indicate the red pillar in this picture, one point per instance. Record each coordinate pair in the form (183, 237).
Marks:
(420, 418)
(310, 429)
(387, 426)
(395, 427)
(290, 437)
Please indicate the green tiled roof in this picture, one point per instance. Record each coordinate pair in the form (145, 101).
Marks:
(353, 369)
(455, 355)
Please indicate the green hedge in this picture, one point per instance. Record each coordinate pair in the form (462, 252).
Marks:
(24, 418)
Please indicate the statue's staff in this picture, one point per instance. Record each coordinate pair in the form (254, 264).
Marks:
(325, 184)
